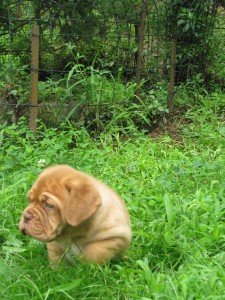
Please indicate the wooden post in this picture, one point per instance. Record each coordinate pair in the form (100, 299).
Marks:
(141, 43)
(172, 76)
(34, 77)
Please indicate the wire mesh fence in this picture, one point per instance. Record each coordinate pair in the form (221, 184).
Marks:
(95, 58)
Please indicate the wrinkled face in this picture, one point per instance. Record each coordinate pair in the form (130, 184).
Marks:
(60, 196)
(42, 219)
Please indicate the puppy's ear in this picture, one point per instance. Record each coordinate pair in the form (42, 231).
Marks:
(83, 202)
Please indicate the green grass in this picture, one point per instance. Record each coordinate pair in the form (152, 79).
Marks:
(175, 195)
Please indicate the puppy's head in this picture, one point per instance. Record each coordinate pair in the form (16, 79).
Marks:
(60, 197)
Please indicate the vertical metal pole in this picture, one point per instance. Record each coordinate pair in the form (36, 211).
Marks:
(172, 76)
(141, 43)
(34, 77)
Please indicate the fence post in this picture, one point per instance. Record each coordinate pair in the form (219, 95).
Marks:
(172, 76)
(34, 77)
(141, 44)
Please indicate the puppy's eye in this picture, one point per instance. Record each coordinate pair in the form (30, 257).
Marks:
(48, 205)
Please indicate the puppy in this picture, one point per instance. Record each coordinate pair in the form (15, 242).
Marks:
(73, 211)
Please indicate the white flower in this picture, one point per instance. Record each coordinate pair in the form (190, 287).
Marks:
(41, 163)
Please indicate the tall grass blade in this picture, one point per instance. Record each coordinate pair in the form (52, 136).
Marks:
(169, 209)
(64, 287)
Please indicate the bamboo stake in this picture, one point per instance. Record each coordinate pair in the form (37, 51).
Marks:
(172, 76)
(34, 77)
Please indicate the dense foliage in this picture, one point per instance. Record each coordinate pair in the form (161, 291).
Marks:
(88, 58)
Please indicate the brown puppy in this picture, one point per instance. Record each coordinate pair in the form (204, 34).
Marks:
(73, 211)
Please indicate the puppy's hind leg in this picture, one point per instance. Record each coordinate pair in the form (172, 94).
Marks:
(102, 251)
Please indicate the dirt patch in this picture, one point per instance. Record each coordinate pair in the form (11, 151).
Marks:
(173, 128)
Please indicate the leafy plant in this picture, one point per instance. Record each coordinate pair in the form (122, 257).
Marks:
(98, 100)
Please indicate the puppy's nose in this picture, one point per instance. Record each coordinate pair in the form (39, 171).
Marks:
(23, 231)
(27, 216)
